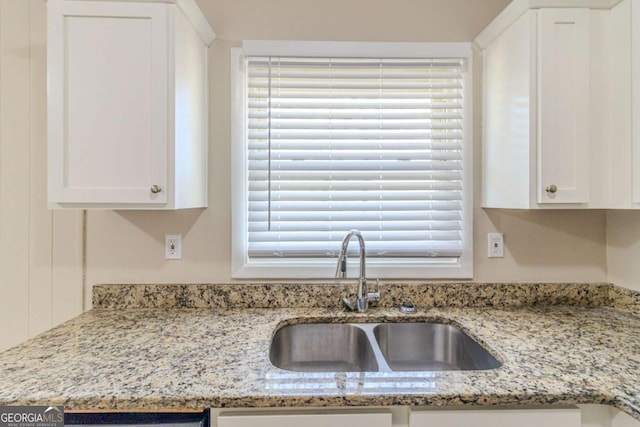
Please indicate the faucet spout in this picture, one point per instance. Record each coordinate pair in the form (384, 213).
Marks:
(342, 259)
(362, 300)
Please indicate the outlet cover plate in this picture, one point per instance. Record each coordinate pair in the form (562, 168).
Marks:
(496, 245)
(173, 246)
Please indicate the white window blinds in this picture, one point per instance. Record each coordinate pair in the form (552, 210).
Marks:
(336, 144)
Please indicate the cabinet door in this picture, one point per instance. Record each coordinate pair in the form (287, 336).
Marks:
(108, 114)
(569, 417)
(563, 105)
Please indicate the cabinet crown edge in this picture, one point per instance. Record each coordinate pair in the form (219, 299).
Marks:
(517, 8)
(190, 9)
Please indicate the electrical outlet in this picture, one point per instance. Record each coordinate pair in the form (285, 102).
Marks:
(496, 245)
(173, 246)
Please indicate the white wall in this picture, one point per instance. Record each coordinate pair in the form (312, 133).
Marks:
(355, 20)
(40, 252)
(623, 248)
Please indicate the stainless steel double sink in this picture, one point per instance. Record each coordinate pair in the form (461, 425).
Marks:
(377, 347)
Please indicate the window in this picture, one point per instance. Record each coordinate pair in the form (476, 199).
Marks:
(329, 137)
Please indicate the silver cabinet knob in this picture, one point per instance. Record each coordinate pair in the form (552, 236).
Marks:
(552, 189)
(155, 189)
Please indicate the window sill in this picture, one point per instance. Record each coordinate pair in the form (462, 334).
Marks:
(376, 269)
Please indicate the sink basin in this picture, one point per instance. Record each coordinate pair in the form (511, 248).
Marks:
(431, 347)
(322, 347)
(377, 347)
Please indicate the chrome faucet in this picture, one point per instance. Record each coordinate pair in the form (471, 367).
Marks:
(362, 295)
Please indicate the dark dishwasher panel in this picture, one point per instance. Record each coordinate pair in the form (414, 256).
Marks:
(138, 419)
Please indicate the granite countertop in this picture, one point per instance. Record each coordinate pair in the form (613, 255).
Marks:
(165, 357)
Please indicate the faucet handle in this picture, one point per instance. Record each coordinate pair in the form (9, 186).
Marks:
(341, 268)
(374, 296)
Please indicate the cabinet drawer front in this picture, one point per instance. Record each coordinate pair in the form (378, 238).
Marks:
(306, 420)
(569, 417)
(108, 102)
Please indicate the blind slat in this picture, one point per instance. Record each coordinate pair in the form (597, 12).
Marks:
(277, 134)
(310, 186)
(377, 124)
(356, 144)
(354, 165)
(362, 206)
(310, 87)
(352, 114)
(427, 248)
(351, 95)
(389, 75)
(343, 196)
(352, 63)
(329, 225)
(381, 235)
(376, 104)
(350, 175)
(376, 155)
(366, 216)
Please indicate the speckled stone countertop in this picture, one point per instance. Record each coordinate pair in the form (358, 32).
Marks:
(176, 358)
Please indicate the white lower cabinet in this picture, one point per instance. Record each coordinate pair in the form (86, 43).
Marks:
(620, 419)
(529, 417)
(404, 416)
(293, 419)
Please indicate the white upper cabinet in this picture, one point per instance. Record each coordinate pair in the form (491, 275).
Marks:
(563, 106)
(621, 161)
(127, 104)
(536, 111)
(552, 119)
